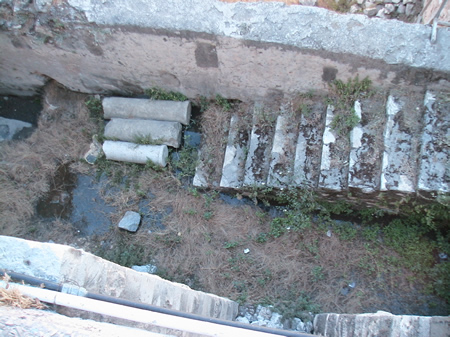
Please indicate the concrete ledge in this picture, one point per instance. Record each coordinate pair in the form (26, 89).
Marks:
(305, 27)
(59, 263)
(380, 324)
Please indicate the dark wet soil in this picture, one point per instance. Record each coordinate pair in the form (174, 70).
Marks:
(26, 109)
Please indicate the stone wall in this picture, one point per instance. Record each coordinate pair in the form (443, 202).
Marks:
(243, 51)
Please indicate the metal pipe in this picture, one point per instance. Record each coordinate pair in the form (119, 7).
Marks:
(157, 310)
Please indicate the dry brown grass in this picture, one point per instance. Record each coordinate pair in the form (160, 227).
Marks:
(193, 250)
(14, 298)
(215, 123)
(26, 167)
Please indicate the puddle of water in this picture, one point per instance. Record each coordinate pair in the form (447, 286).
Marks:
(89, 212)
(57, 203)
(25, 109)
(76, 198)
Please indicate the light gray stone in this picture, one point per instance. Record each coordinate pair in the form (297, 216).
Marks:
(389, 8)
(42, 5)
(156, 132)
(435, 149)
(235, 156)
(409, 9)
(121, 107)
(132, 153)
(282, 156)
(130, 221)
(94, 152)
(355, 8)
(10, 127)
(401, 9)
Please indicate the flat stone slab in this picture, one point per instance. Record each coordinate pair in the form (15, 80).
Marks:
(334, 164)
(283, 152)
(399, 168)
(149, 131)
(130, 221)
(10, 127)
(259, 152)
(141, 108)
(235, 155)
(309, 146)
(435, 150)
(366, 141)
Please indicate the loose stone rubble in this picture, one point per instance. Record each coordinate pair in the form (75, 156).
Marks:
(266, 316)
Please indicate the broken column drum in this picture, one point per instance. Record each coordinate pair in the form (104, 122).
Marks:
(140, 154)
(120, 107)
(132, 130)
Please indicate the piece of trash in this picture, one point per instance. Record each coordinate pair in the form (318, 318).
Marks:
(352, 285)
(246, 251)
(329, 233)
(443, 256)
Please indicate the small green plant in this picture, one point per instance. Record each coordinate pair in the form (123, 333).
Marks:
(146, 140)
(223, 102)
(124, 253)
(208, 215)
(156, 93)
(185, 161)
(317, 273)
(262, 237)
(94, 106)
(345, 231)
(231, 244)
(346, 93)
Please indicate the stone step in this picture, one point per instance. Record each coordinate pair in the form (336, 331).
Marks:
(131, 130)
(281, 166)
(398, 144)
(401, 144)
(235, 154)
(366, 141)
(335, 154)
(309, 146)
(434, 172)
(142, 108)
(259, 153)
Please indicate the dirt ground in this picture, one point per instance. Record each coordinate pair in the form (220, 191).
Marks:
(201, 236)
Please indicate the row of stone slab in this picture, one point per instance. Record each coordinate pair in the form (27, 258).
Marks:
(134, 121)
(400, 145)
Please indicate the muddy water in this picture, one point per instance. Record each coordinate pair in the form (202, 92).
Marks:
(76, 198)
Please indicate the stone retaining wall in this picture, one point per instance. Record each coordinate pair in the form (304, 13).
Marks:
(244, 51)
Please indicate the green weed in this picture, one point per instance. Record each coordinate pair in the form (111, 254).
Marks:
(156, 93)
(223, 102)
(346, 93)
